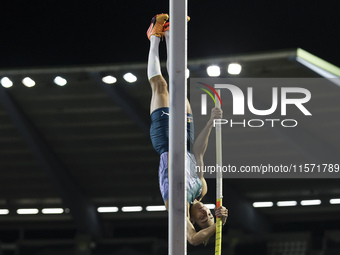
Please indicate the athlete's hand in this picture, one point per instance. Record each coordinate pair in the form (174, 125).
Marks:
(216, 113)
(222, 212)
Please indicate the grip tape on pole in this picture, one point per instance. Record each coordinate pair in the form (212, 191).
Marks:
(218, 236)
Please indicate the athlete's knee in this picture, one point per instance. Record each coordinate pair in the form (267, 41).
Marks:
(159, 85)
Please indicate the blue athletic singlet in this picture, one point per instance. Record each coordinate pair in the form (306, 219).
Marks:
(194, 183)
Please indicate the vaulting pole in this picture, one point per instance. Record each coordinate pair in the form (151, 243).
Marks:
(177, 127)
(219, 183)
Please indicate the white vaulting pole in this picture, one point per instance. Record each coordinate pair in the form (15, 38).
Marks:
(177, 127)
(219, 183)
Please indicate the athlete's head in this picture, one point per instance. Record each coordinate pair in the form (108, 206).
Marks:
(200, 215)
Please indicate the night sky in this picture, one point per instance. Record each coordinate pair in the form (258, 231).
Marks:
(59, 33)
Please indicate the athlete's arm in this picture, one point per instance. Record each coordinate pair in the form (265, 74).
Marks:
(201, 143)
(196, 238)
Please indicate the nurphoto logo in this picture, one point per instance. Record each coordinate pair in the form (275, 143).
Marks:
(302, 96)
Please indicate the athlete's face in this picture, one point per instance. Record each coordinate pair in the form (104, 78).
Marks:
(201, 215)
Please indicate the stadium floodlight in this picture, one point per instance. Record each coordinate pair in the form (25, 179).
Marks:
(187, 73)
(334, 201)
(234, 68)
(310, 202)
(286, 203)
(52, 210)
(27, 211)
(155, 208)
(60, 81)
(262, 204)
(28, 82)
(132, 209)
(213, 71)
(4, 211)
(210, 206)
(108, 209)
(6, 82)
(129, 77)
(109, 79)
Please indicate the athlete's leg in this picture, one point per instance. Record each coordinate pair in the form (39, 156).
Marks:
(167, 40)
(160, 94)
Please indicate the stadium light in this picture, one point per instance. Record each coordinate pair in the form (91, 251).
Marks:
(310, 202)
(334, 201)
(52, 210)
(60, 81)
(234, 68)
(187, 73)
(107, 209)
(28, 82)
(286, 203)
(213, 71)
(132, 209)
(4, 211)
(27, 211)
(6, 82)
(129, 77)
(109, 79)
(155, 208)
(262, 204)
